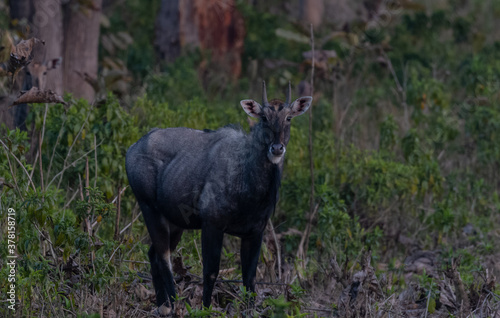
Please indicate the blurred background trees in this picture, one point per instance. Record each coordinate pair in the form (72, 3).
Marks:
(70, 29)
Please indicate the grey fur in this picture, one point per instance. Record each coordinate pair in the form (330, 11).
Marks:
(223, 181)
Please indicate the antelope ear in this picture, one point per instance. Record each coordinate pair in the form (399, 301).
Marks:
(252, 108)
(300, 105)
(54, 63)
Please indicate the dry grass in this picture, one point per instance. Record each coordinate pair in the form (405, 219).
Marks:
(423, 285)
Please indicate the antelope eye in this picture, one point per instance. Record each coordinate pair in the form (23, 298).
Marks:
(44, 73)
(289, 119)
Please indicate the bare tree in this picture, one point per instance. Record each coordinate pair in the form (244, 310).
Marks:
(69, 29)
(47, 22)
(312, 11)
(20, 11)
(167, 35)
(215, 26)
(81, 27)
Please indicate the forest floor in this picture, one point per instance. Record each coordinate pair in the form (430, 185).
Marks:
(423, 285)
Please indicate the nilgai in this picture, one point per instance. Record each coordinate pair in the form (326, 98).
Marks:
(223, 181)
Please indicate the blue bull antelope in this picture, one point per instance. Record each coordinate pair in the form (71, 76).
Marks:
(223, 181)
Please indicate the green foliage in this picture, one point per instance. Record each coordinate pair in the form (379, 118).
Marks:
(104, 131)
(339, 231)
(93, 204)
(388, 130)
(261, 39)
(88, 316)
(280, 307)
(52, 226)
(204, 312)
(136, 17)
(177, 84)
(431, 292)
(483, 124)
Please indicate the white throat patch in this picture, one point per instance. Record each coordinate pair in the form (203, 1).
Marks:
(275, 159)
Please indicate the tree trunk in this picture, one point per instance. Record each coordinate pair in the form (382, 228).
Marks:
(48, 27)
(313, 12)
(81, 43)
(20, 10)
(214, 26)
(221, 31)
(188, 24)
(167, 36)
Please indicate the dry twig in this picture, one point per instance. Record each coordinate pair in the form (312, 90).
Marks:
(35, 95)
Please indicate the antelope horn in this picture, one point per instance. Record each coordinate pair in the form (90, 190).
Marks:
(264, 94)
(289, 94)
